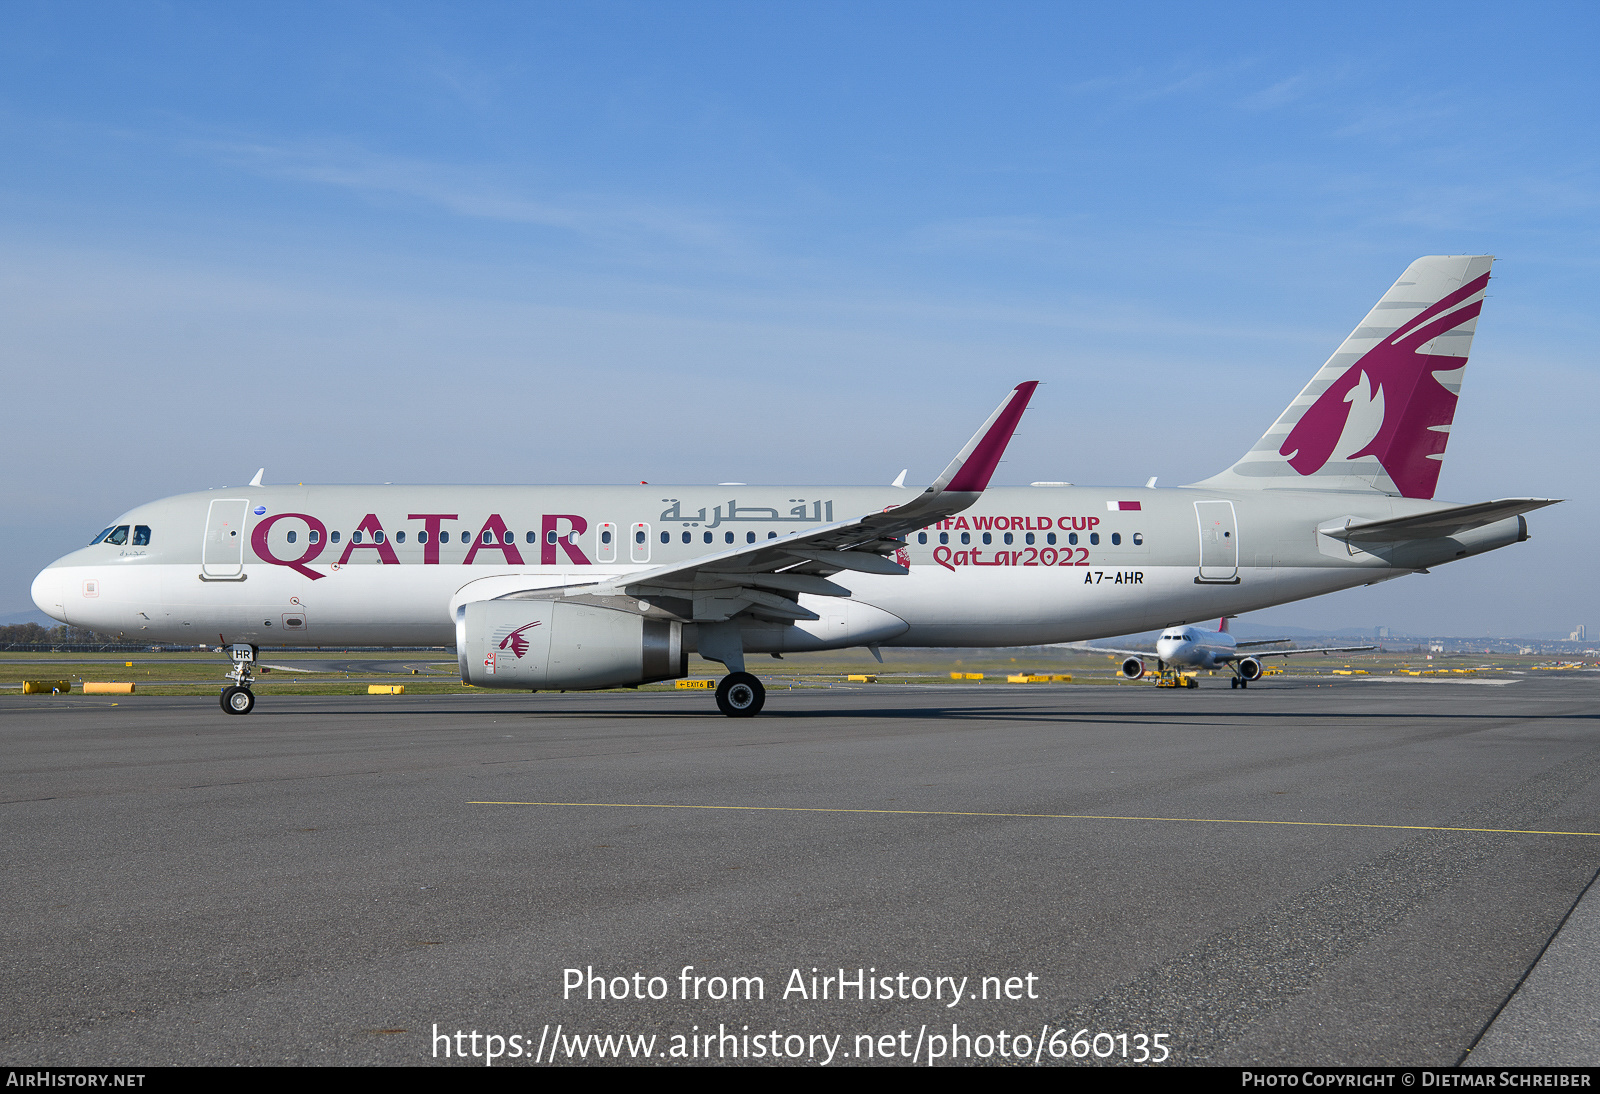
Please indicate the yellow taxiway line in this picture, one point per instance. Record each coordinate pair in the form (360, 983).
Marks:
(1045, 816)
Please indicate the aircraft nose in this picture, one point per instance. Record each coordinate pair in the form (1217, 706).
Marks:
(49, 593)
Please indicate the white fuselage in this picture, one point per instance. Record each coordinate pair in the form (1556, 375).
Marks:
(387, 565)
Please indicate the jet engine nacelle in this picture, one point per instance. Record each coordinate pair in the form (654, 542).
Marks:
(1249, 668)
(534, 644)
(1133, 668)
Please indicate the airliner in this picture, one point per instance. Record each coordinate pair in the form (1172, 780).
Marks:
(1193, 647)
(541, 588)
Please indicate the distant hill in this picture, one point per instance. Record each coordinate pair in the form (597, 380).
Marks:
(35, 616)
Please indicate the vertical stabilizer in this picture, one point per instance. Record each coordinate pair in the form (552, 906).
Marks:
(1377, 415)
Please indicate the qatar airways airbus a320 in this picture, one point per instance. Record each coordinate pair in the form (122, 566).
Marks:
(560, 587)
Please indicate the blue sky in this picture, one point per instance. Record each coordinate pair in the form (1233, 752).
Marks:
(763, 242)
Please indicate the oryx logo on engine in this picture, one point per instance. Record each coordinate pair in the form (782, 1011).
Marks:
(513, 640)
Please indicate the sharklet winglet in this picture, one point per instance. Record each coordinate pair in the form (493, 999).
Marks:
(974, 465)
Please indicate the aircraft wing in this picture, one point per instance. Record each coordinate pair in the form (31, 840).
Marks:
(1291, 653)
(1148, 655)
(764, 578)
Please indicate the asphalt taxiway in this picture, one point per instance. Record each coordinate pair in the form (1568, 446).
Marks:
(1304, 873)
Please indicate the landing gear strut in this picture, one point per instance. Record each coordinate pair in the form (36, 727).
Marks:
(740, 695)
(237, 698)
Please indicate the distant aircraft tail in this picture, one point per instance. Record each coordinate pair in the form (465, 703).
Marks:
(1377, 415)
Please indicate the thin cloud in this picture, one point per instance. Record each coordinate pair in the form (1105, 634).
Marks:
(1141, 85)
(469, 193)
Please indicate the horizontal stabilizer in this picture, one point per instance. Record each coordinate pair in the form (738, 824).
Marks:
(1439, 523)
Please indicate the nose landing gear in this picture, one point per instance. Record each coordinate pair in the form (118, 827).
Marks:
(237, 698)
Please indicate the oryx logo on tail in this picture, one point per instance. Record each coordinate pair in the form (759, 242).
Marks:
(1377, 415)
(1392, 400)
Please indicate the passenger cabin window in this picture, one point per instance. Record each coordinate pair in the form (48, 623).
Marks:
(707, 537)
(944, 537)
(638, 537)
(531, 538)
(666, 537)
(377, 537)
(727, 537)
(1138, 539)
(316, 536)
(1050, 538)
(291, 537)
(749, 537)
(605, 537)
(422, 536)
(507, 537)
(488, 537)
(399, 537)
(966, 538)
(922, 537)
(333, 537)
(987, 538)
(688, 537)
(549, 537)
(1094, 538)
(1072, 538)
(1028, 539)
(355, 537)
(1116, 539)
(444, 537)
(1008, 537)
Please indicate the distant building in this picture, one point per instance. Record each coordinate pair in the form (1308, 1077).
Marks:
(1578, 635)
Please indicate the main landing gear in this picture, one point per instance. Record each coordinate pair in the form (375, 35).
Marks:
(237, 698)
(740, 695)
(1238, 682)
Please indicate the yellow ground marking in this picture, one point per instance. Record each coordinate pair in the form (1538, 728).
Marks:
(1048, 816)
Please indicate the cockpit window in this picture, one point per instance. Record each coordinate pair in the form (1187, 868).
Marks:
(119, 535)
(102, 535)
(141, 535)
